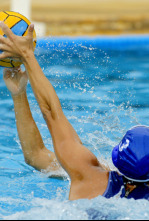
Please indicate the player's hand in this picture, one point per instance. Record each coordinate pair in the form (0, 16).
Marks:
(15, 80)
(15, 46)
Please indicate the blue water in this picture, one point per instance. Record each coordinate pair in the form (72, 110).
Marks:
(104, 90)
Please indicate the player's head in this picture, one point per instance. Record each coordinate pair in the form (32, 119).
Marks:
(131, 156)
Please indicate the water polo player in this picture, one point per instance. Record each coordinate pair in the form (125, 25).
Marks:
(88, 178)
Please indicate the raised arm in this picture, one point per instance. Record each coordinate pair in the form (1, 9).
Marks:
(82, 166)
(35, 153)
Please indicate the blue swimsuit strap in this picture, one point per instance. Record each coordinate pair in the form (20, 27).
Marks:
(115, 185)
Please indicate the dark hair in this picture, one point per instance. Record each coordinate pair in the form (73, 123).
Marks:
(128, 191)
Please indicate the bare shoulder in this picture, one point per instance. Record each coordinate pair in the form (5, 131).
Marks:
(88, 178)
(94, 184)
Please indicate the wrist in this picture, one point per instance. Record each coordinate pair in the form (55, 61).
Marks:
(27, 56)
(19, 96)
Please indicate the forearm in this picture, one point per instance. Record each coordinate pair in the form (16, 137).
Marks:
(35, 153)
(43, 89)
(49, 103)
(28, 132)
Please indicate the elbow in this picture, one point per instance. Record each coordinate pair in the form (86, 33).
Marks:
(49, 114)
(30, 159)
(45, 108)
(46, 112)
(28, 162)
(32, 163)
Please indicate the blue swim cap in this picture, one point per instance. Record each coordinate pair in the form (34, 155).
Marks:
(131, 156)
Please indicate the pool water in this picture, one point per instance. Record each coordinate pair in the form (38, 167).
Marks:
(104, 91)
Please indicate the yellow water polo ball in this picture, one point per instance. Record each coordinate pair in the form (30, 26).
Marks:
(19, 26)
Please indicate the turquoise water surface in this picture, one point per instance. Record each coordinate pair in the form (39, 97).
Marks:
(103, 86)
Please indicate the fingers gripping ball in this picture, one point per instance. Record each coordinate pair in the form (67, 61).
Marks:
(19, 26)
